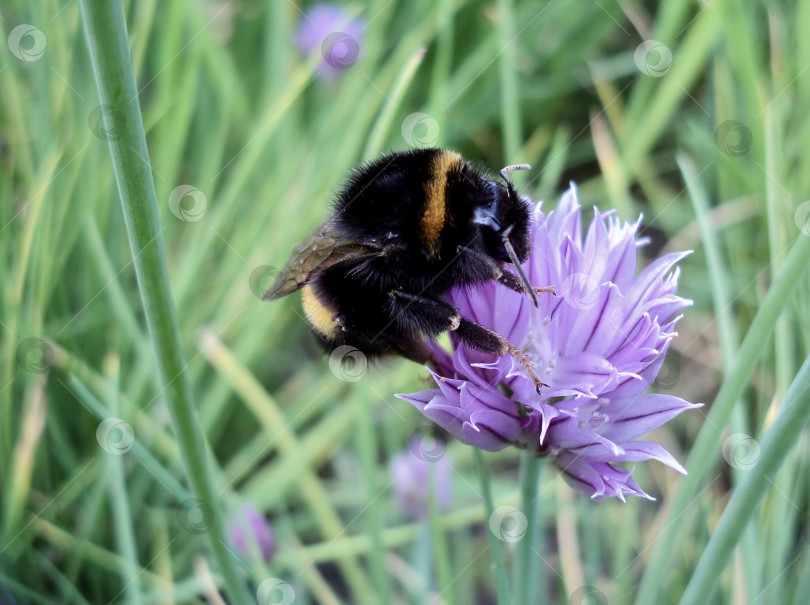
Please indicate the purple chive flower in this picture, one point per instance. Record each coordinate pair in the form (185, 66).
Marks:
(330, 31)
(420, 474)
(598, 343)
(249, 529)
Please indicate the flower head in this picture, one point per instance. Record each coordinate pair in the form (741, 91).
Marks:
(249, 529)
(419, 474)
(598, 343)
(331, 31)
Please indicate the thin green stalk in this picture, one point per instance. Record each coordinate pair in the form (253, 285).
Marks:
(726, 332)
(439, 544)
(141, 453)
(650, 122)
(719, 273)
(18, 489)
(270, 416)
(366, 444)
(529, 500)
(779, 539)
(421, 558)
(776, 445)
(803, 588)
(495, 546)
(443, 63)
(510, 101)
(704, 451)
(119, 498)
(13, 290)
(393, 99)
(112, 66)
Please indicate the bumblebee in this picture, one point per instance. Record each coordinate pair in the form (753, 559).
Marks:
(404, 230)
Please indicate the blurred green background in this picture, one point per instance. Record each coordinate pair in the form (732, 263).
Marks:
(696, 114)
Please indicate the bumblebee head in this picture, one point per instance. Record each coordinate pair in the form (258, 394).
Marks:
(505, 225)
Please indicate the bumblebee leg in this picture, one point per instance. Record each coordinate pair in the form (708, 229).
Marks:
(501, 275)
(417, 315)
(482, 338)
(433, 316)
(513, 282)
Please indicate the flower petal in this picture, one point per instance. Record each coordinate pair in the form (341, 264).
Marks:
(580, 475)
(582, 374)
(635, 451)
(490, 430)
(635, 416)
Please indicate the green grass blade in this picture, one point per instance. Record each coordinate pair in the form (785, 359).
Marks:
(776, 444)
(109, 50)
(495, 546)
(704, 450)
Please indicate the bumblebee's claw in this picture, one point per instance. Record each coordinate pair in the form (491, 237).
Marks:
(527, 363)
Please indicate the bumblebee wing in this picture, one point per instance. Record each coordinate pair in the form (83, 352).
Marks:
(322, 249)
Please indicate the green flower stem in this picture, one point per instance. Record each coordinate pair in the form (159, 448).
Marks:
(495, 546)
(529, 500)
(112, 66)
(775, 447)
(704, 452)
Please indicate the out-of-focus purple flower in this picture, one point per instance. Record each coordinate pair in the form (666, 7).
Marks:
(249, 529)
(598, 343)
(420, 474)
(330, 31)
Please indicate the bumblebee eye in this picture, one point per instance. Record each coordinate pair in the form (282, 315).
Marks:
(485, 215)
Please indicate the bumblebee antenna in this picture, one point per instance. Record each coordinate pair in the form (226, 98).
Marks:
(507, 244)
(507, 169)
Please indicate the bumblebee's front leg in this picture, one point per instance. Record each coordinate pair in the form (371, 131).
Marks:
(482, 338)
(501, 275)
(434, 316)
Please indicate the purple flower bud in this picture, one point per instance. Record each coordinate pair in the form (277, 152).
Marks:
(418, 476)
(330, 31)
(250, 530)
(598, 343)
